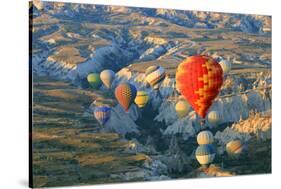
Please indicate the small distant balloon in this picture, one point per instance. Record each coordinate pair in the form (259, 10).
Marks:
(107, 77)
(125, 94)
(94, 80)
(205, 137)
(234, 148)
(225, 65)
(182, 108)
(141, 99)
(102, 114)
(213, 118)
(155, 75)
(205, 154)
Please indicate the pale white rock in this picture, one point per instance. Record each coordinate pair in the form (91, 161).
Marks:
(95, 64)
(229, 134)
(120, 121)
(167, 113)
(153, 53)
(187, 126)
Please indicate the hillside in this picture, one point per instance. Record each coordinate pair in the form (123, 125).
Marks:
(69, 41)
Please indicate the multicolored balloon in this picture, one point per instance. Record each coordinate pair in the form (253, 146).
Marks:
(199, 79)
(94, 80)
(213, 118)
(125, 94)
(102, 114)
(205, 137)
(182, 108)
(141, 99)
(155, 75)
(107, 77)
(205, 154)
(234, 148)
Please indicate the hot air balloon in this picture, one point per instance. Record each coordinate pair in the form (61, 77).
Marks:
(205, 137)
(107, 76)
(225, 65)
(182, 108)
(234, 148)
(102, 114)
(141, 99)
(205, 154)
(213, 118)
(155, 75)
(199, 79)
(125, 93)
(94, 80)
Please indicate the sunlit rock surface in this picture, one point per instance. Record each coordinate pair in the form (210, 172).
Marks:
(69, 41)
(120, 121)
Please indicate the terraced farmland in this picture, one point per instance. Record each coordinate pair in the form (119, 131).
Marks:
(68, 148)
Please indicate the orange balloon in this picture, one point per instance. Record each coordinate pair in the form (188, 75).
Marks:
(125, 93)
(199, 79)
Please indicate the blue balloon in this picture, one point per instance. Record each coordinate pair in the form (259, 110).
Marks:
(205, 149)
(102, 114)
(205, 154)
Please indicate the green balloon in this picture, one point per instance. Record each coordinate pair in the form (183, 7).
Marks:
(94, 80)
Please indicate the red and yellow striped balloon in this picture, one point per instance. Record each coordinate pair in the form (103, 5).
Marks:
(199, 79)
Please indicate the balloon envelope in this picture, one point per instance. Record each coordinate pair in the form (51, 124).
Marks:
(199, 79)
(155, 75)
(234, 148)
(213, 118)
(225, 65)
(102, 114)
(94, 80)
(205, 137)
(182, 108)
(125, 94)
(107, 77)
(141, 99)
(205, 154)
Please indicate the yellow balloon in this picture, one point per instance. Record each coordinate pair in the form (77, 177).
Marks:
(182, 108)
(205, 137)
(234, 148)
(214, 118)
(141, 99)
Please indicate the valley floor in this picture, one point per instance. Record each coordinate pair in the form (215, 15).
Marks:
(70, 148)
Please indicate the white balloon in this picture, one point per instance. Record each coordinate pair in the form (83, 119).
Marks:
(225, 65)
(213, 118)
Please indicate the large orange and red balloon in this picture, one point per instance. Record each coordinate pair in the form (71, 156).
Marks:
(199, 79)
(125, 93)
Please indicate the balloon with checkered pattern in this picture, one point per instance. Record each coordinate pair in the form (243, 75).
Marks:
(125, 94)
(199, 79)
